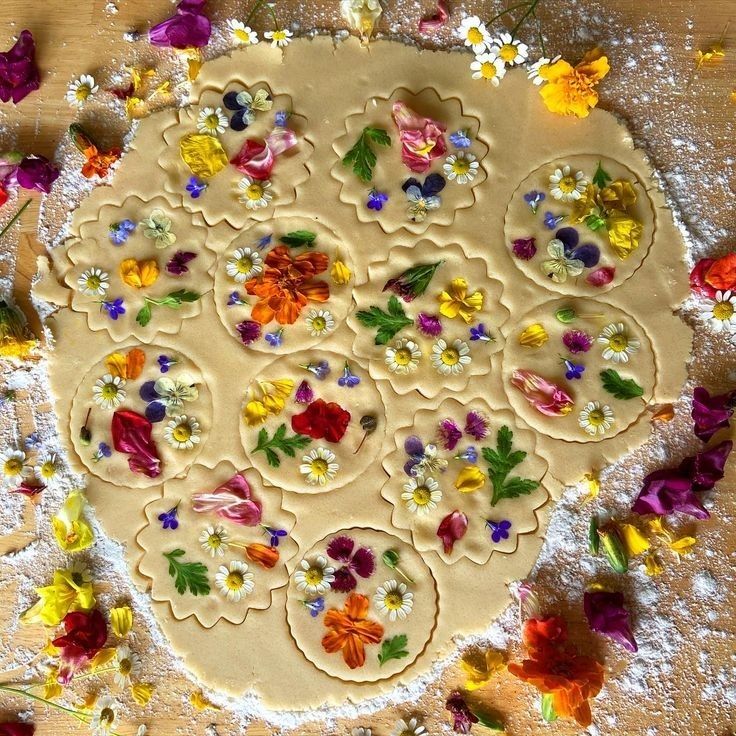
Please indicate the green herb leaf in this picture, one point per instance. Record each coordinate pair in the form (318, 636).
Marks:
(393, 648)
(388, 323)
(501, 462)
(190, 576)
(495, 724)
(144, 315)
(279, 441)
(298, 238)
(362, 156)
(414, 281)
(175, 299)
(594, 541)
(621, 388)
(595, 221)
(601, 177)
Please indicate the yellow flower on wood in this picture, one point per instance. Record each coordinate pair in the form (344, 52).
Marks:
(594, 486)
(139, 274)
(142, 692)
(69, 591)
(634, 540)
(71, 529)
(201, 702)
(652, 566)
(457, 302)
(478, 676)
(570, 90)
(470, 479)
(682, 546)
(121, 621)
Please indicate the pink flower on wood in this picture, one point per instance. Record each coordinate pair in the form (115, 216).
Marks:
(188, 28)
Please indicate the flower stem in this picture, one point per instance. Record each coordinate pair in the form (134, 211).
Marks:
(529, 11)
(14, 218)
(504, 12)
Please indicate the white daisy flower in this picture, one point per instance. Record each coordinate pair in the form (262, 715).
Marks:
(489, 67)
(536, 72)
(394, 600)
(421, 495)
(104, 718)
(566, 185)
(596, 419)
(412, 727)
(81, 89)
(319, 466)
(182, 432)
(108, 391)
(235, 582)
(47, 467)
(618, 346)
(314, 577)
(403, 357)
(254, 194)
(243, 34)
(158, 227)
(450, 359)
(214, 540)
(12, 463)
(279, 38)
(720, 312)
(93, 282)
(211, 121)
(509, 49)
(474, 33)
(127, 665)
(461, 167)
(320, 322)
(244, 264)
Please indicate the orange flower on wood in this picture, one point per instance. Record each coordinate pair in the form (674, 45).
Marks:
(570, 90)
(555, 668)
(98, 162)
(351, 630)
(286, 285)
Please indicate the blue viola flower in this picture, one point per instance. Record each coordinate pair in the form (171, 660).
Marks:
(281, 118)
(315, 607)
(120, 231)
(164, 363)
(195, 187)
(470, 455)
(235, 300)
(264, 242)
(533, 199)
(348, 379)
(376, 200)
(320, 370)
(552, 221)
(274, 339)
(113, 308)
(168, 518)
(155, 408)
(103, 450)
(573, 370)
(275, 535)
(499, 529)
(588, 253)
(460, 139)
(480, 333)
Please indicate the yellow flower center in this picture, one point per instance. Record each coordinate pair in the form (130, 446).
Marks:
(214, 541)
(48, 469)
(618, 342)
(314, 576)
(474, 35)
(107, 717)
(254, 191)
(488, 70)
(319, 324)
(402, 356)
(461, 166)
(319, 466)
(109, 391)
(13, 466)
(279, 35)
(182, 432)
(234, 581)
(242, 35)
(393, 601)
(450, 356)
(93, 282)
(244, 264)
(508, 52)
(568, 184)
(723, 310)
(597, 418)
(82, 92)
(421, 496)
(125, 666)
(212, 121)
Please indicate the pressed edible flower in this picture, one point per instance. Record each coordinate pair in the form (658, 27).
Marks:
(606, 614)
(255, 195)
(412, 727)
(142, 692)
(488, 67)
(596, 419)
(413, 282)
(403, 357)
(577, 341)
(618, 345)
(571, 90)
(131, 434)
(566, 185)
(244, 264)
(361, 16)
(188, 28)
(348, 379)
(450, 359)
(93, 282)
(451, 529)
(104, 718)
(423, 198)
(480, 333)
(235, 581)
(533, 336)
(177, 264)
(243, 34)
(429, 324)
(70, 526)
(304, 393)
(262, 555)
(360, 561)
(127, 665)
(478, 676)
(448, 434)
(462, 717)
(203, 154)
(470, 479)
(560, 265)
(86, 634)
(635, 541)
(109, 392)
(456, 301)
(350, 630)
(36, 173)
(232, 501)
(249, 331)
(128, 366)
(322, 420)
(394, 600)
(376, 200)
(13, 463)
(320, 322)
(157, 227)
(461, 167)
(422, 139)
(214, 540)
(182, 432)
(319, 467)
(139, 274)
(720, 312)
(711, 413)
(18, 71)
(279, 38)
(195, 187)
(121, 621)
(71, 590)
(81, 89)
(340, 273)
(200, 701)
(545, 396)
(421, 495)
(314, 576)
(211, 121)
(499, 529)
(120, 231)
(476, 425)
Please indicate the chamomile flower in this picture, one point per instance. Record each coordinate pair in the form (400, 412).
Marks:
(596, 419)
(393, 599)
(720, 312)
(509, 49)
(243, 34)
(93, 282)
(12, 463)
(244, 264)
(319, 466)
(254, 194)
(536, 72)
(108, 391)
(421, 495)
(566, 185)
(104, 718)
(127, 665)
(81, 89)
(412, 727)
(211, 121)
(403, 357)
(452, 358)
(474, 33)
(314, 577)
(182, 432)
(618, 345)
(461, 167)
(214, 541)
(320, 322)
(279, 38)
(488, 67)
(47, 467)
(235, 582)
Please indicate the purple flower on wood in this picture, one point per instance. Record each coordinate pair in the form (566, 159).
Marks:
(36, 172)
(476, 425)
(524, 248)
(249, 331)
(362, 562)
(606, 614)
(18, 70)
(113, 308)
(168, 518)
(711, 413)
(577, 341)
(462, 718)
(189, 27)
(177, 266)
(304, 393)
(499, 529)
(448, 434)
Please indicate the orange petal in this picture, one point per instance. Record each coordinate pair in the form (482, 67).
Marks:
(134, 362)
(262, 313)
(353, 652)
(356, 606)
(317, 291)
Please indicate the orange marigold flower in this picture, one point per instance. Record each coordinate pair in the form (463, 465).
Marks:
(555, 668)
(351, 630)
(262, 554)
(98, 162)
(570, 90)
(139, 273)
(286, 285)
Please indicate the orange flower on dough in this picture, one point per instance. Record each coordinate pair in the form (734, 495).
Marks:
(138, 273)
(286, 285)
(351, 630)
(262, 554)
(128, 366)
(570, 90)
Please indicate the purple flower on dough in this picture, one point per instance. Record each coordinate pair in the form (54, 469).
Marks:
(361, 562)
(499, 529)
(476, 425)
(195, 187)
(164, 363)
(577, 341)
(113, 308)
(274, 339)
(573, 370)
(177, 266)
(480, 333)
(304, 393)
(460, 139)
(120, 231)
(249, 331)
(348, 379)
(588, 253)
(552, 221)
(533, 199)
(524, 248)
(429, 324)
(168, 518)
(448, 434)
(376, 200)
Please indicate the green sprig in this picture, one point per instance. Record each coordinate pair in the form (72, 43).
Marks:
(388, 323)
(279, 441)
(501, 462)
(173, 300)
(190, 576)
(361, 156)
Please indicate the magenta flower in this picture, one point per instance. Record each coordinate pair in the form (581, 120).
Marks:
(462, 717)
(524, 248)
(451, 529)
(304, 393)
(177, 266)
(422, 139)
(711, 413)
(248, 330)
(36, 172)
(476, 425)
(131, 434)
(429, 324)
(362, 562)
(448, 434)
(606, 614)
(86, 634)
(577, 341)
(546, 397)
(18, 70)
(190, 27)
(601, 276)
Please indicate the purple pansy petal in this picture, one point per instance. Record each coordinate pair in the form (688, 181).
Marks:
(433, 184)
(36, 173)
(148, 392)
(155, 412)
(588, 253)
(413, 445)
(18, 71)
(363, 562)
(607, 615)
(340, 548)
(569, 237)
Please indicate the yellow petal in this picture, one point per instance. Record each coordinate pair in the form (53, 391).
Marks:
(142, 692)
(635, 541)
(103, 657)
(203, 154)
(340, 273)
(618, 195)
(652, 566)
(477, 677)
(149, 272)
(624, 233)
(70, 528)
(470, 479)
(656, 526)
(533, 336)
(121, 621)
(255, 413)
(115, 362)
(282, 387)
(200, 701)
(594, 486)
(683, 545)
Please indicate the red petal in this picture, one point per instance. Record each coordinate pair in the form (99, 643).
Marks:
(131, 434)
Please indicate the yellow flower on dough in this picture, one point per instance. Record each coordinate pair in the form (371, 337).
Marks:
(121, 621)
(203, 154)
(456, 301)
(340, 273)
(255, 413)
(470, 479)
(634, 540)
(618, 195)
(533, 336)
(72, 531)
(624, 233)
(477, 677)
(142, 692)
(139, 274)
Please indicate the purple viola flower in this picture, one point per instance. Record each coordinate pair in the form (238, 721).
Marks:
(315, 607)
(711, 413)
(249, 331)
(274, 535)
(588, 253)
(577, 341)
(177, 266)
(361, 562)
(414, 448)
(552, 221)
(120, 231)
(470, 455)
(448, 434)
(235, 300)
(164, 363)
(572, 370)
(376, 200)
(188, 28)
(499, 529)
(18, 71)
(281, 118)
(274, 339)
(195, 187)
(168, 518)
(103, 450)
(429, 324)
(476, 425)
(241, 104)
(533, 199)
(113, 308)
(155, 408)
(348, 379)
(320, 370)
(480, 333)
(460, 139)
(524, 248)
(37, 173)
(607, 614)
(304, 393)
(432, 186)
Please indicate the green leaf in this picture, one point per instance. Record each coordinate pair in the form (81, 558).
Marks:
(621, 388)
(361, 156)
(144, 315)
(489, 721)
(595, 221)
(298, 238)
(594, 541)
(501, 462)
(190, 576)
(548, 708)
(388, 323)
(393, 648)
(279, 441)
(414, 281)
(175, 299)
(601, 177)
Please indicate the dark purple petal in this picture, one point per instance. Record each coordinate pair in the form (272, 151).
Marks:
(36, 172)
(666, 491)
(18, 71)
(707, 467)
(433, 184)
(711, 413)
(344, 581)
(476, 425)
(577, 341)
(409, 465)
(449, 434)
(188, 28)
(230, 100)
(411, 182)
(569, 237)
(178, 263)
(363, 562)
(606, 614)
(155, 411)
(148, 392)
(340, 548)
(589, 254)
(429, 324)
(413, 445)
(249, 331)
(524, 248)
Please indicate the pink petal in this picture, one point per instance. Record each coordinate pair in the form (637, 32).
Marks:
(344, 581)
(281, 140)
(363, 562)
(437, 20)
(545, 396)
(452, 528)
(601, 276)
(255, 159)
(232, 501)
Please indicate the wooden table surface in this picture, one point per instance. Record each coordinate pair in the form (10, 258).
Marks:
(86, 36)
